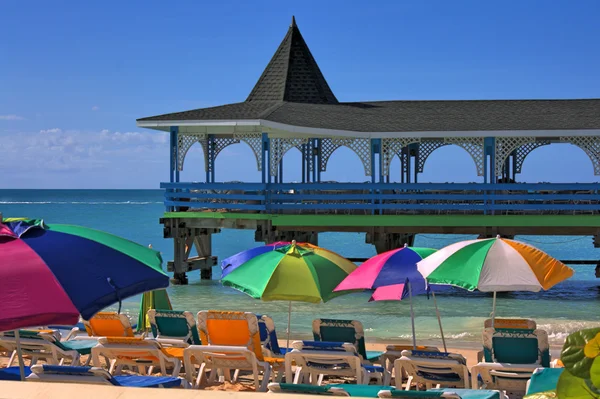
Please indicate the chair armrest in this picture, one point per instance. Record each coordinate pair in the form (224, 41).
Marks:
(172, 342)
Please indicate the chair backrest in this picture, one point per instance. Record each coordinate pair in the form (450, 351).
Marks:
(436, 367)
(108, 324)
(268, 335)
(230, 329)
(174, 324)
(332, 330)
(511, 324)
(31, 340)
(516, 346)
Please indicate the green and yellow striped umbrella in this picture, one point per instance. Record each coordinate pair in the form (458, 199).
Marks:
(291, 273)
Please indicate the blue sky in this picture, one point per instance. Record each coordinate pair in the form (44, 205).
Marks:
(75, 75)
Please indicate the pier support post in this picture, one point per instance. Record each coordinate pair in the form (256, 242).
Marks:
(268, 235)
(387, 241)
(183, 240)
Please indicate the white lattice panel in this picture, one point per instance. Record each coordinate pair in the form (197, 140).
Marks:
(392, 147)
(327, 148)
(279, 146)
(426, 148)
(362, 148)
(590, 145)
(185, 141)
(474, 146)
(506, 145)
(524, 150)
(254, 140)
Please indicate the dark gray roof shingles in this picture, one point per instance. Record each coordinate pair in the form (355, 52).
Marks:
(292, 90)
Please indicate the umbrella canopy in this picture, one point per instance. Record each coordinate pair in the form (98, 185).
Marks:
(51, 274)
(394, 276)
(235, 261)
(158, 299)
(492, 265)
(387, 274)
(291, 273)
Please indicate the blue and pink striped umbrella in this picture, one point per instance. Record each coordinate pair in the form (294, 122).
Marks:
(51, 274)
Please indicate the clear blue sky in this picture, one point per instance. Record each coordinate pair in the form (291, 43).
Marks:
(74, 76)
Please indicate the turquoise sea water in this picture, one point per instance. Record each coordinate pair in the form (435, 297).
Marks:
(134, 214)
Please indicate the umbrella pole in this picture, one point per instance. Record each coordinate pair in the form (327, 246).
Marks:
(412, 317)
(437, 311)
(289, 324)
(20, 355)
(494, 309)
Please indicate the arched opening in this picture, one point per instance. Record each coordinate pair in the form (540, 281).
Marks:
(237, 162)
(395, 170)
(193, 165)
(557, 163)
(449, 164)
(344, 165)
(292, 166)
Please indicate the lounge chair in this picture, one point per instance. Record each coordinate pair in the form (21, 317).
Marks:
(45, 345)
(268, 337)
(543, 380)
(315, 359)
(511, 357)
(351, 331)
(433, 369)
(514, 324)
(393, 352)
(96, 375)
(507, 324)
(173, 327)
(231, 342)
(13, 373)
(305, 389)
(108, 324)
(443, 393)
(374, 391)
(137, 352)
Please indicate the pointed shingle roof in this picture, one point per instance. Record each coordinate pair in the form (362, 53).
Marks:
(293, 91)
(292, 74)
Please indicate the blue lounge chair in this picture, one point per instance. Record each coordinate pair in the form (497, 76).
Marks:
(268, 336)
(543, 380)
(13, 373)
(96, 375)
(315, 359)
(351, 331)
(433, 369)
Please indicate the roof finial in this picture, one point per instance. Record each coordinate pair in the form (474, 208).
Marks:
(293, 24)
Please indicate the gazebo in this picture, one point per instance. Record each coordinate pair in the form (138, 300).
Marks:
(292, 106)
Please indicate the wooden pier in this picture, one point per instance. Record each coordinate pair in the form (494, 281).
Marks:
(292, 106)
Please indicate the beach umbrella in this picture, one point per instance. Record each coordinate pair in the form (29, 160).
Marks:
(157, 299)
(393, 276)
(494, 265)
(233, 262)
(52, 274)
(290, 273)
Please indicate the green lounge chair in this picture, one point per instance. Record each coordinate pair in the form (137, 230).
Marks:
(173, 327)
(46, 345)
(543, 380)
(352, 331)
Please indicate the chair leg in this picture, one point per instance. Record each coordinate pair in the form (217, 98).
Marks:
(236, 374)
(320, 380)
(266, 378)
(408, 383)
(12, 358)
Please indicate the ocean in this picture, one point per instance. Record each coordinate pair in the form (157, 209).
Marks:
(134, 214)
